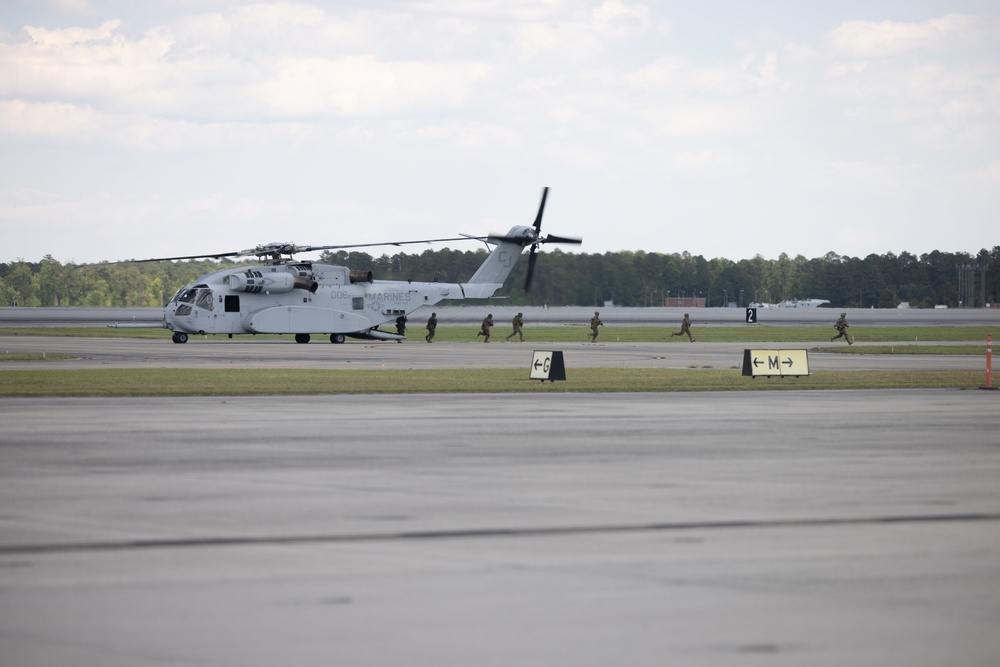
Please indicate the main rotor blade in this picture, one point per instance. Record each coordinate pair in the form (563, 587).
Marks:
(313, 248)
(561, 239)
(264, 250)
(532, 258)
(168, 259)
(541, 209)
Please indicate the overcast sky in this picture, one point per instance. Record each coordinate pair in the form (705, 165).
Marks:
(725, 128)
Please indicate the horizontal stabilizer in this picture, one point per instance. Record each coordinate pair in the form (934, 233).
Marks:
(480, 290)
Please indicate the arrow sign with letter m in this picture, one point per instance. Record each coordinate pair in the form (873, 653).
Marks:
(780, 363)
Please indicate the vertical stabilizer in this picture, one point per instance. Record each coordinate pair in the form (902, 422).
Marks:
(494, 271)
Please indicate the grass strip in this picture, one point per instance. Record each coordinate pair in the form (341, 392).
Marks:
(629, 334)
(941, 350)
(43, 356)
(256, 382)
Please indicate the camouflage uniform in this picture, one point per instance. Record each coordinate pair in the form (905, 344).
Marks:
(517, 323)
(432, 324)
(595, 322)
(485, 327)
(401, 326)
(685, 328)
(841, 327)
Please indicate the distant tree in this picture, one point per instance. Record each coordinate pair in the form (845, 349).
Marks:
(54, 281)
(888, 298)
(22, 284)
(630, 278)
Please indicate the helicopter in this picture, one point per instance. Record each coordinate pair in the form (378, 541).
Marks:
(285, 296)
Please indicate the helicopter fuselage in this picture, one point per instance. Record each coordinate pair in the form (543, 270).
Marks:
(297, 298)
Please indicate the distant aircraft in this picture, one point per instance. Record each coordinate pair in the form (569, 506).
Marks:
(794, 303)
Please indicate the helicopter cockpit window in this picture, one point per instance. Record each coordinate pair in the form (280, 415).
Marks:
(199, 296)
(204, 299)
(186, 296)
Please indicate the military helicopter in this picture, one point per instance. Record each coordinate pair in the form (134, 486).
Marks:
(284, 296)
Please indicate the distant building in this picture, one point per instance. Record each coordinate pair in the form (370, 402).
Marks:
(685, 302)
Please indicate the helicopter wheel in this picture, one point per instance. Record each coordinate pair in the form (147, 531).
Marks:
(337, 338)
(301, 338)
(179, 337)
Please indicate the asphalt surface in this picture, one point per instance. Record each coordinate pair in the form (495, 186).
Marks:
(799, 528)
(816, 528)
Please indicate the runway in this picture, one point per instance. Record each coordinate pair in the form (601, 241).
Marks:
(820, 528)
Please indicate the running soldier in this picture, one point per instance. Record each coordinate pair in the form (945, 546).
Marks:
(432, 325)
(517, 323)
(841, 327)
(685, 328)
(485, 327)
(595, 322)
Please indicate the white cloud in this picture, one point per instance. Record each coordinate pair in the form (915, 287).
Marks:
(889, 38)
(273, 18)
(621, 20)
(363, 86)
(76, 64)
(21, 120)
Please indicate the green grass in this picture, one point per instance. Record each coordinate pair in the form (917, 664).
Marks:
(86, 332)
(250, 382)
(906, 349)
(631, 334)
(35, 357)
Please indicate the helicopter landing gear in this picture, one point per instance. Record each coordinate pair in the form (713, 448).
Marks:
(179, 337)
(337, 338)
(301, 338)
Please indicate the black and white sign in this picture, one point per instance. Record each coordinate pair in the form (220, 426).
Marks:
(547, 365)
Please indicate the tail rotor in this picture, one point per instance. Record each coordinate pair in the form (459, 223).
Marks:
(532, 236)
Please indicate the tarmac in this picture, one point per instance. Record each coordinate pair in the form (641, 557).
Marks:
(756, 528)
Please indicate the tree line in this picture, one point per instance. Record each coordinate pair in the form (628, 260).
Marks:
(625, 278)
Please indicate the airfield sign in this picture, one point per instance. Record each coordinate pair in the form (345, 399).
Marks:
(779, 363)
(547, 365)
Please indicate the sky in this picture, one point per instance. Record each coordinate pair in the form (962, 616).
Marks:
(723, 128)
